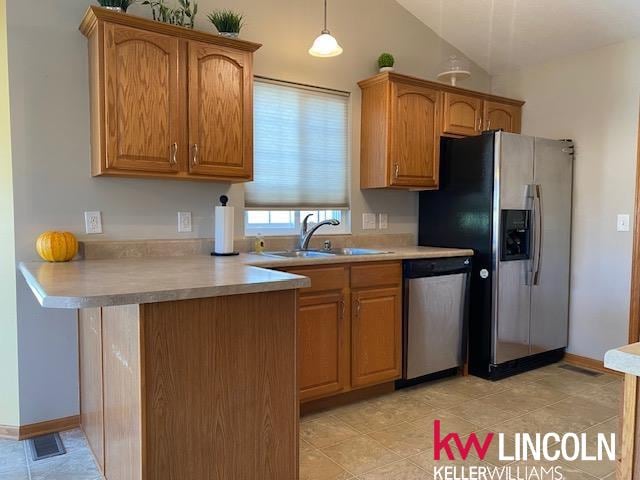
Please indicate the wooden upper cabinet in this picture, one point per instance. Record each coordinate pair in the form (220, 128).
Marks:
(220, 111)
(168, 102)
(141, 97)
(403, 119)
(502, 116)
(414, 154)
(400, 134)
(462, 114)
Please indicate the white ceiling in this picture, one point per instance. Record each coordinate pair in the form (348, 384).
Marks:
(503, 35)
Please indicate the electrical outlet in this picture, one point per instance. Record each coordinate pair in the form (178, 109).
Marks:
(623, 222)
(368, 221)
(92, 222)
(383, 221)
(184, 222)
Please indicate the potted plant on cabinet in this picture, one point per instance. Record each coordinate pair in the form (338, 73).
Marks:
(118, 5)
(227, 22)
(184, 15)
(385, 62)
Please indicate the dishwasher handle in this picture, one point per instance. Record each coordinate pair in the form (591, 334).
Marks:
(436, 267)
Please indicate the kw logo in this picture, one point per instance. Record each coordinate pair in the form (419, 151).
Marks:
(441, 445)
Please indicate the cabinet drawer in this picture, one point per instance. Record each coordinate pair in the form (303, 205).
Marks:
(323, 278)
(376, 274)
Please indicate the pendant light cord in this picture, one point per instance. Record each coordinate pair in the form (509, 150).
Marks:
(325, 18)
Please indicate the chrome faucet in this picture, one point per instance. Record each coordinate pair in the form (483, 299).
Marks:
(305, 234)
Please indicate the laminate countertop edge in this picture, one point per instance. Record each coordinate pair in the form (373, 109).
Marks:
(624, 359)
(133, 281)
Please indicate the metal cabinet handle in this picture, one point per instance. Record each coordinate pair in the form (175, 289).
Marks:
(397, 170)
(194, 154)
(488, 124)
(357, 307)
(174, 153)
(342, 309)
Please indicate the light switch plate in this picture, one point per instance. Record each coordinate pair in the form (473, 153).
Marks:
(184, 222)
(92, 222)
(383, 221)
(623, 222)
(368, 221)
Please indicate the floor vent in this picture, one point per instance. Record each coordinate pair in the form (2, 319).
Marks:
(46, 446)
(584, 371)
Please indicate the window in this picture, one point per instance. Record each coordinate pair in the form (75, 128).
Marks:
(288, 222)
(301, 166)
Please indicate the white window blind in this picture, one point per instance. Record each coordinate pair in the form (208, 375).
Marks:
(300, 147)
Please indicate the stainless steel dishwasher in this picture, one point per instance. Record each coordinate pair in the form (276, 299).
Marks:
(435, 315)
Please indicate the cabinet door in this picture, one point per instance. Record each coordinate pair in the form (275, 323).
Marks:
(502, 116)
(323, 336)
(141, 100)
(376, 336)
(415, 145)
(462, 114)
(220, 112)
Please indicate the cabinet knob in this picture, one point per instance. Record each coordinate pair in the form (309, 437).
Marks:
(174, 153)
(397, 170)
(194, 154)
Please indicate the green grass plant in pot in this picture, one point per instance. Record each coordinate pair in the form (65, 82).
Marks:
(385, 62)
(227, 22)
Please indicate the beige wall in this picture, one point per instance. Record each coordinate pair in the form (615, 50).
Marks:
(9, 407)
(50, 135)
(593, 99)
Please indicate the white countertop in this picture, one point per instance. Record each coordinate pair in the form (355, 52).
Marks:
(624, 359)
(99, 283)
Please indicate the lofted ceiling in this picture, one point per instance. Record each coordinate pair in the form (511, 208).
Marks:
(504, 35)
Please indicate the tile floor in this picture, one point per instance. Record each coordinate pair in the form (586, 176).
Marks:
(391, 437)
(76, 464)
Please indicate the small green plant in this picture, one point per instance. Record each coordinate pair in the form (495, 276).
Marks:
(183, 15)
(385, 60)
(123, 4)
(227, 21)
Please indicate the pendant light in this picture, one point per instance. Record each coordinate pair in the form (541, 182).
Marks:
(325, 45)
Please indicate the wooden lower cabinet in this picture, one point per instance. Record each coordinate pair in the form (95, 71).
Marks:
(349, 328)
(376, 336)
(201, 389)
(323, 348)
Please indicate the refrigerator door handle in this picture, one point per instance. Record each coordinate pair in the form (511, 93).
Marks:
(537, 233)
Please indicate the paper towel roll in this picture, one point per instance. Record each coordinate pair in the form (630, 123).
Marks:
(223, 230)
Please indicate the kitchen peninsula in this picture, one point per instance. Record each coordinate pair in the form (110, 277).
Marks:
(188, 364)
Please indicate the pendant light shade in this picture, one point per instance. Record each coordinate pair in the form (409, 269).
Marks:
(325, 45)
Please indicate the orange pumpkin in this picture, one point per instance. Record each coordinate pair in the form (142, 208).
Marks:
(57, 246)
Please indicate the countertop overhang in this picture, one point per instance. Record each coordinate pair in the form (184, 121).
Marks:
(127, 281)
(624, 359)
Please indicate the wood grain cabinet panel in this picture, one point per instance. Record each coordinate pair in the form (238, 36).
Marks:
(141, 100)
(502, 116)
(462, 114)
(323, 349)
(220, 111)
(403, 119)
(415, 145)
(168, 102)
(376, 336)
(91, 405)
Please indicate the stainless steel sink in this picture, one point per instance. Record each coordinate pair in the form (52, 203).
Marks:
(300, 254)
(324, 253)
(355, 251)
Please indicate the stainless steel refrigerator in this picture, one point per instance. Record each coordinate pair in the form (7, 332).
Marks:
(508, 197)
